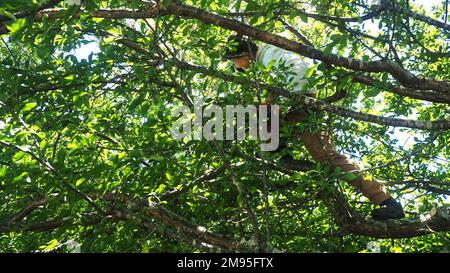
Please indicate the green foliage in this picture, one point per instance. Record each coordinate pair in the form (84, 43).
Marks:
(103, 124)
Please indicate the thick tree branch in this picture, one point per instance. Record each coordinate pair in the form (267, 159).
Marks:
(153, 210)
(438, 219)
(419, 17)
(406, 78)
(402, 91)
(123, 214)
(315, 104)
(318, 105)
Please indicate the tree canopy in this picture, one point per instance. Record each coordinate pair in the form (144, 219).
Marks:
(86, 152)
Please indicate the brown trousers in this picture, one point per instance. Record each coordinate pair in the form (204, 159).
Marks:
(321, 147)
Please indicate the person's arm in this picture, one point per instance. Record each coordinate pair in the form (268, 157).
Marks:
(298, 65)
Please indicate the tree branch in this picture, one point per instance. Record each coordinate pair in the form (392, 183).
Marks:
(153, 210)
(406, 78)
(315, 104)
(438, 219)
(29, 209)
(208, 176)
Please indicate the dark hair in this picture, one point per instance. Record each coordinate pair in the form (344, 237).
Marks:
(237, 45)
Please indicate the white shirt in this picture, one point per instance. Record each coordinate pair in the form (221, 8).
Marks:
(298, 65)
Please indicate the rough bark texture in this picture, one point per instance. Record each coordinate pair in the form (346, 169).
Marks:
(406, 78)
(438, 219)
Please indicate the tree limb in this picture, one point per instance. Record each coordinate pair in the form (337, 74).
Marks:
(406, 78)
(438, 219)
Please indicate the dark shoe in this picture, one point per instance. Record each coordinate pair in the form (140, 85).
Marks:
(389, 210)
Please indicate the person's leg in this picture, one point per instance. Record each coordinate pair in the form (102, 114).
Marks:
(321, 147)
(291, 117)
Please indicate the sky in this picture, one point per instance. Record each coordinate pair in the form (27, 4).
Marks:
(372, 27)
(428, 4)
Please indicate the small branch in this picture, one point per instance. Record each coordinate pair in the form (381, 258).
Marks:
(50, 168)
(52, 224)
(288, 168)
(126, 215)
(420, 17)
(27, 151)
(243, 195)
(25, 13)
(107, 138)
(424, 184)
(55, 145)
(208, 176)
(29, 209)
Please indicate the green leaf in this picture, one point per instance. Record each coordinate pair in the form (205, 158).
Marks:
(373, 92)
(79, 181)
(3, 170)
(18, 156)
(350, 176)
(310, 71)
(69, 77)
(337, 38)
(304, 17)
(51, 245)
(7, 14)
(20, 177)
(237, 6)
(240, 201)
(156, 157)
(29, 106)
(337, 171)
(135, 103)
(16, 25)
(61, 155)
(165, 3)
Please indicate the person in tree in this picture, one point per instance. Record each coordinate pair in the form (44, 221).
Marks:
(243, 52)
